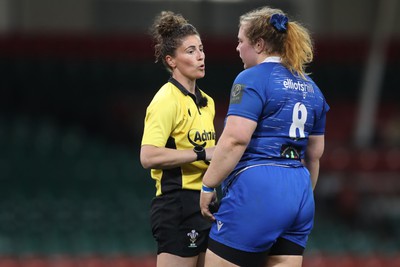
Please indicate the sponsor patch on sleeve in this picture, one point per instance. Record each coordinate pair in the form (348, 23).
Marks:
(236, 93)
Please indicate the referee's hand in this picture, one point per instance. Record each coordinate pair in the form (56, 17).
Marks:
(206, 198)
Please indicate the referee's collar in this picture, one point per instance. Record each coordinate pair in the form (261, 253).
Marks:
(184, 91)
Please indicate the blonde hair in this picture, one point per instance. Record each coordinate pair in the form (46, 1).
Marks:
(294, 44)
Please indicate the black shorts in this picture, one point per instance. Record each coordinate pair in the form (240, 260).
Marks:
(255, 259)
(177, 223)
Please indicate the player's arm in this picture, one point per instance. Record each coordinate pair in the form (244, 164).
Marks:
(313, 154)
(231, 146)
(152, 157)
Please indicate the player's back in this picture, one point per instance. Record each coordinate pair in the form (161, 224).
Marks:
(285, 108)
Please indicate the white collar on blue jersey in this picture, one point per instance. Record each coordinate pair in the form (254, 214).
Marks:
(273, 60)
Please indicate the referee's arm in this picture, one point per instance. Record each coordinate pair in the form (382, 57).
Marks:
(152, 157)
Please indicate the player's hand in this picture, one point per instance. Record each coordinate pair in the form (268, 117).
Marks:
(206, 198)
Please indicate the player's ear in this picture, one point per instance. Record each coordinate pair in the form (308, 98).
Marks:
(259, 46)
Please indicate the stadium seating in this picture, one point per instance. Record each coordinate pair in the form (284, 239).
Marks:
(66, 192)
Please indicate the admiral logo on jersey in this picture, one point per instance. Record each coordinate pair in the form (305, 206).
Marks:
(196, 137)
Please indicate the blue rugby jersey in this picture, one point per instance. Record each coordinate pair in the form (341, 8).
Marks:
(287, 109)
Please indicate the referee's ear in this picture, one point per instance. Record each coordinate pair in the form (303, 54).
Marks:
(170, 61)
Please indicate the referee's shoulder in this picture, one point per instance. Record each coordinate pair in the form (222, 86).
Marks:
(166, 90)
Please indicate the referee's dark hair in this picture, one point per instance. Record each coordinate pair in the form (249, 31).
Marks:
(167, 31)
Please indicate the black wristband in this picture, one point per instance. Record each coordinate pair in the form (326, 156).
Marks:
(201, 152)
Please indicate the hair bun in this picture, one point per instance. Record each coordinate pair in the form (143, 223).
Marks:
(168, 23)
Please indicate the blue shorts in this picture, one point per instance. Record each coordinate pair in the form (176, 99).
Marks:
(262, 204)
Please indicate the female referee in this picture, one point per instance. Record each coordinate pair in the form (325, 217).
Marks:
(178, 141)
(267, 157)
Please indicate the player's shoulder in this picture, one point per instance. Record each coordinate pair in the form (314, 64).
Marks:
(310, 80)
(263, 69)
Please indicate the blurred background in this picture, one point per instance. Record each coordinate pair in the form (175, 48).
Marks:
(77, 75)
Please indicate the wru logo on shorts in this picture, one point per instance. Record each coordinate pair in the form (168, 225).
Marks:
(193, 238)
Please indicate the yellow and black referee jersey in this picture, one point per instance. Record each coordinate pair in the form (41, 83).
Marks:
(179, 120)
